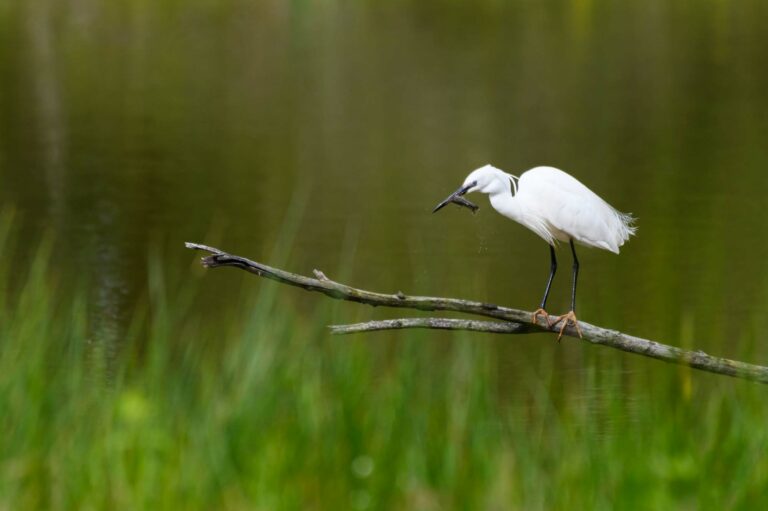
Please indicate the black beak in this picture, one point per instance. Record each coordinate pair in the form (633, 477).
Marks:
(456, 198)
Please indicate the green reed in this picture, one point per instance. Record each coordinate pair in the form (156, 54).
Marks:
(255, 406)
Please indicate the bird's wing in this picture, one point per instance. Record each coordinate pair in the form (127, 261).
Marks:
(574, 210)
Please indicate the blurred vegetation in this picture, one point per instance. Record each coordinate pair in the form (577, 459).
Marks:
(262, 410)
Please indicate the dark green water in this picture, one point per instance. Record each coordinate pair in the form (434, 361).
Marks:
(134, 124)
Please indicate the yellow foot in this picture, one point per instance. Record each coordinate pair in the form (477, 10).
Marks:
(569, 318)
(541, 312)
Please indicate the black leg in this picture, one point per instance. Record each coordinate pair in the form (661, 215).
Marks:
(570, 317)
(575, 277)
(552, 270)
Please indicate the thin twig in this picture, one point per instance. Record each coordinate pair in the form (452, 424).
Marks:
(516, 321)
(493, 327)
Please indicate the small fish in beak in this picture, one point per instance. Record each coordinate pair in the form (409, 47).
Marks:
(457, 198)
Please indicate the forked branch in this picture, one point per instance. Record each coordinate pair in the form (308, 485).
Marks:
(513, 321)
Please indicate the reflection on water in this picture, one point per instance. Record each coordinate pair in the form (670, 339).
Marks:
(138, 121)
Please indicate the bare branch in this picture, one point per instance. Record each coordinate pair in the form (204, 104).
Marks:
(494, 327)
(596, 335)
(516, 321)
(323, 284)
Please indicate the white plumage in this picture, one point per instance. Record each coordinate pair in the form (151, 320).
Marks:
(557, 207)
(554, 205)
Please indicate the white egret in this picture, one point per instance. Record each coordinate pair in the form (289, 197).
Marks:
(557, 207)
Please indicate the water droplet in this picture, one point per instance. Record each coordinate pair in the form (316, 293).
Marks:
(362, 466)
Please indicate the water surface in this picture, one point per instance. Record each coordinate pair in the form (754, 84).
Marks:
(130, 125)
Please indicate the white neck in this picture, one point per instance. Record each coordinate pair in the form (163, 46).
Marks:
(510, 206)
(505, 204)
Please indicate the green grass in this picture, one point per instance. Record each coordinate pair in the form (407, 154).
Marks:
(256, 407)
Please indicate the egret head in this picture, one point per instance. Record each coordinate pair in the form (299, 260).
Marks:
(487, 179)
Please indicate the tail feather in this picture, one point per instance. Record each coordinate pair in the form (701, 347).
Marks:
(626, 227)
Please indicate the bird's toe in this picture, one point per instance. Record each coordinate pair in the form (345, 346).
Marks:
(568, 318)
(541, 313)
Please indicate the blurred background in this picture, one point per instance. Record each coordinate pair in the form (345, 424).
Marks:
(320, 134)
(132, 121)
